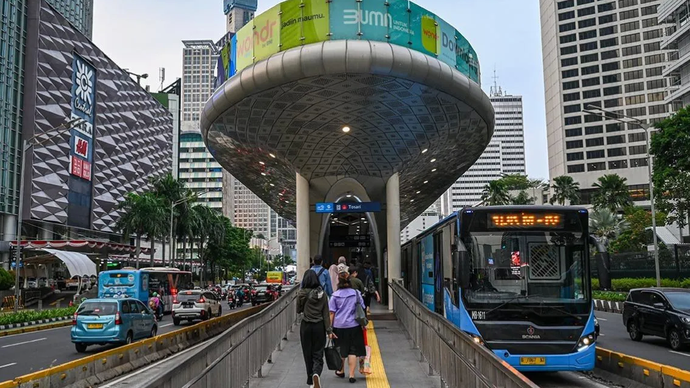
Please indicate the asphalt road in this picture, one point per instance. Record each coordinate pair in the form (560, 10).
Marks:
(614, 336)
(30, 352)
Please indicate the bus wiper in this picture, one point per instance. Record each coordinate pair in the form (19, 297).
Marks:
(513, 299)
(542, 305)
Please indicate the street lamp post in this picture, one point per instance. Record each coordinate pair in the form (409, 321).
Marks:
(173, 244)
(26, 145)
(626, 119)
(138, 76)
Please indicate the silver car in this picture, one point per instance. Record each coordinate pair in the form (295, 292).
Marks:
(190, 305)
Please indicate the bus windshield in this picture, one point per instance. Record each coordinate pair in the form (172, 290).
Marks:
(169, 282)
(516, 266)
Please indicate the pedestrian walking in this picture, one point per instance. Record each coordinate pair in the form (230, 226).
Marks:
(312, 302)
(347, 332)
(333, 272)
(322, 274)
(369, 285)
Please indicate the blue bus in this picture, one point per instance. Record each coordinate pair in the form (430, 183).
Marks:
(142, 283)
(514, 278)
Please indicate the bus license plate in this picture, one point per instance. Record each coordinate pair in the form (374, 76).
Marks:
(532, 361)
(94, 326)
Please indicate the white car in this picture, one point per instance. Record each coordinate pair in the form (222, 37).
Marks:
(196, 304)
(31, 283)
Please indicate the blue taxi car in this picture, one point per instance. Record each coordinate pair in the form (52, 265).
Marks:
(107, 321)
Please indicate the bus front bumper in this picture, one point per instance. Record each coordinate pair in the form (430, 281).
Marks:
(578, 361)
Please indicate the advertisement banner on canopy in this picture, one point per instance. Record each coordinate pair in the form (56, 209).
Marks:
(375, 20)
(267, 34)
(447, 49)
(345, 19)
(315, 17)
(290, 25)
(423, 23)
(399, 31)
(245, 46)
(275, 277)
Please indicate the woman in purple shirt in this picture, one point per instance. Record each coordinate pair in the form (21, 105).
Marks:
(347, 332)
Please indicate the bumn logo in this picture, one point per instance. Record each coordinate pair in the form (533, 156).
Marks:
(367, 18)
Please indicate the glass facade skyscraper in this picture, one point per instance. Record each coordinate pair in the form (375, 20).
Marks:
(77, 12)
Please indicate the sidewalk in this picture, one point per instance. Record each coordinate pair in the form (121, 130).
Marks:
(394, 362)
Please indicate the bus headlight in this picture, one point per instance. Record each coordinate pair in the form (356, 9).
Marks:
(585, 341)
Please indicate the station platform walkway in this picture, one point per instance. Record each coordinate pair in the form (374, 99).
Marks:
(394, 362)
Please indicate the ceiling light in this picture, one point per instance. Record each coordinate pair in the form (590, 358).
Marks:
(434, 170)
(425, 182)
(412, 200)
(362, 218)
(262, 163)
(425, 150)
(349, 195)
(287, 202)
(432, 160)
(272, 185)
(418, 192)
(346, 129)
(271, 155)
(263, 173)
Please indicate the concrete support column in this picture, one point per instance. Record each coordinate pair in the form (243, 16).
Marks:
(47, 231)
(303, 230)
(393, 230)
(9, 233)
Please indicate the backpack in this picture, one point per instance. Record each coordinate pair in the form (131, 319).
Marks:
(318, 275)
(369, 285)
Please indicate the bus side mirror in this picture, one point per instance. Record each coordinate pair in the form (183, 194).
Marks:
(464, 260)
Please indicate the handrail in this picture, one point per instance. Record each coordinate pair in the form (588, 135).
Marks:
(233, 357)
(450, 352)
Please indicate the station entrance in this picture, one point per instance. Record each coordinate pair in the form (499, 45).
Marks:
(350, 235)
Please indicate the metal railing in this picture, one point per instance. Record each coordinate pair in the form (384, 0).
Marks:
(233, 357)
(451, 353)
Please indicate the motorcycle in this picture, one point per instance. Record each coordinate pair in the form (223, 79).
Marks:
(232, 301)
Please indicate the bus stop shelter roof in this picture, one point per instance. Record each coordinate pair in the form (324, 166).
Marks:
(76, 263)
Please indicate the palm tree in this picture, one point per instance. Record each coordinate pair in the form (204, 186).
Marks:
(565, 190)
(208, 226)
(141, 215)
(606, 225)
(523, 198)
(612, 193)
(170, 190)
(495, 193)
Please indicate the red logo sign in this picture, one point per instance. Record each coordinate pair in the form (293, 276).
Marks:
(81, 147)
(80, 168)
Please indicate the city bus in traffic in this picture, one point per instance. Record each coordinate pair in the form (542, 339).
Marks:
(142, 283)
(514, 278)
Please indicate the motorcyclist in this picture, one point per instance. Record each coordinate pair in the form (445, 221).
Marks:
(156, 305)
(240, 297)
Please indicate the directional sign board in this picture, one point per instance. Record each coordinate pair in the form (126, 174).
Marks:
(349, 207)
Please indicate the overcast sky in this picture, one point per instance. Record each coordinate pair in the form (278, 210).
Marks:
(145, 35)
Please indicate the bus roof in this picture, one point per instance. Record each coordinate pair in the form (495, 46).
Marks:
(161, 269)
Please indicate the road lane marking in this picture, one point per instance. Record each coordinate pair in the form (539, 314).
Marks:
(166, 325)
(34, 332)
(601, 335)
(680, 353)
(24, 343)
(7, 365)
(602, 319)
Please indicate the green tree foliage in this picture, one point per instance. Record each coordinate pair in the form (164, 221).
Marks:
(496, 193)
(565, 190)
(671, 149)
(6, 280)
(523, 198)
(142, 214)
(634, 237)
(606, 225)
(232, 251)
(612, 193)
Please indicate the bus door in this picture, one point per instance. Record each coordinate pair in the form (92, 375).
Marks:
(438, 272)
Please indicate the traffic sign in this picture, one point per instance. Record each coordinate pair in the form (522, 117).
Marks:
(348, 207)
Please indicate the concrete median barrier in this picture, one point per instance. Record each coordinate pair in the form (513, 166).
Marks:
(643, 371)
(95, 369)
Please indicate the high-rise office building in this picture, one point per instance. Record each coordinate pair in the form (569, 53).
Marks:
(238, 13)
(241, 205)
(197, 167)
(77, 12)
(424, 221)
(606, 54)
(505, 154)
(676, 15)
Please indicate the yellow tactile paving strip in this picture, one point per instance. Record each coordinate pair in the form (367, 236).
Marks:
(378, 378)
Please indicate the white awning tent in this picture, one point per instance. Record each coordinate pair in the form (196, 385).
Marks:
(76, 263)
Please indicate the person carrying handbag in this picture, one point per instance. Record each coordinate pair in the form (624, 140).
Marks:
(346, 309)
(312, 302)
